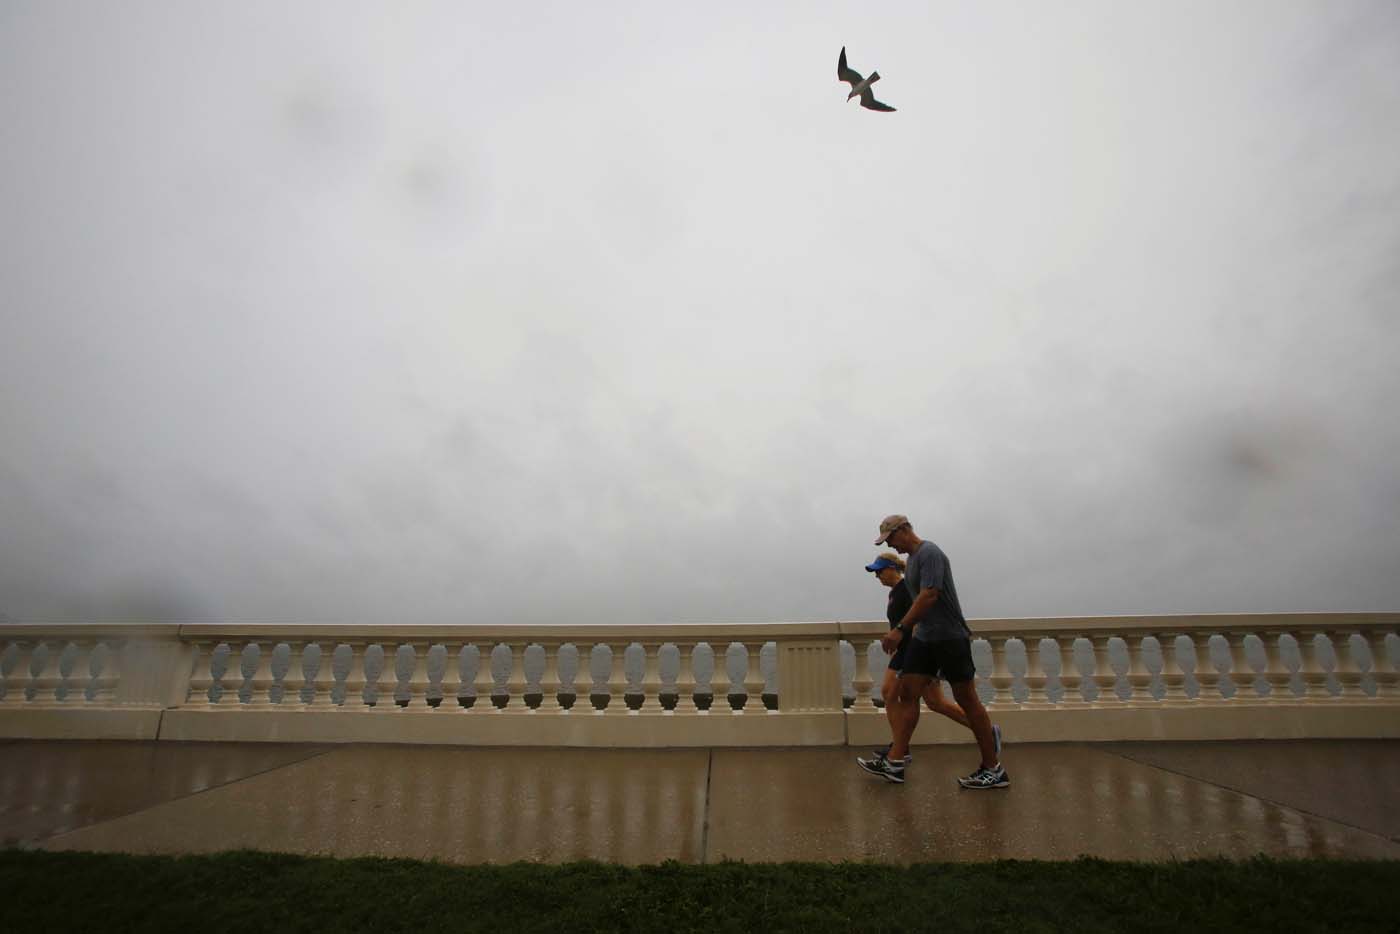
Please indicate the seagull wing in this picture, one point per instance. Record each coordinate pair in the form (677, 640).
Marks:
(868, 101)
(845, 74)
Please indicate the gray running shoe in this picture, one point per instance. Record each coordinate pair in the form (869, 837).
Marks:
(884, 768)
(987, 778)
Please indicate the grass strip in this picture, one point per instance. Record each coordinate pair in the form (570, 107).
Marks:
(248, 891)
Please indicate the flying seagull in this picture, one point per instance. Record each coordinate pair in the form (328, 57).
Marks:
(860, 85)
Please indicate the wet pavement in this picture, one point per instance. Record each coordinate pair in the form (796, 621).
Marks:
(1114, 800)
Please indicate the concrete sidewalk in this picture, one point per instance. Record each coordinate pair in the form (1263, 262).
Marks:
(1115, 800)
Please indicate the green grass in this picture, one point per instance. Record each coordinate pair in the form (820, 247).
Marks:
(245, 891)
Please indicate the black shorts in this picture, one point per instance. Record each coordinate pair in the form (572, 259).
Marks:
(949, 659)
(897, 660)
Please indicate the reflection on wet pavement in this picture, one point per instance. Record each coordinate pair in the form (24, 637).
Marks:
(644, 806)
(464, 805)
(1065, 801)
(52, 787)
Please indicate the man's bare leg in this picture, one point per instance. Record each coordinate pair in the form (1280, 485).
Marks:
(933, 696)
(978, 721)
(911, 688)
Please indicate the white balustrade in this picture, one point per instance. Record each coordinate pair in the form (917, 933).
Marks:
(681, 678)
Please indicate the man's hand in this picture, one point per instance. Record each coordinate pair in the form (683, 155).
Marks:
(891, 640)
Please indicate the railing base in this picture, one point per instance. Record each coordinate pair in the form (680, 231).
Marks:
(32, 722)
(1237, 720)
(759, 728)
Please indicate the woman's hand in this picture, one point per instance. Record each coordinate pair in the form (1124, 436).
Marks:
(891, 640)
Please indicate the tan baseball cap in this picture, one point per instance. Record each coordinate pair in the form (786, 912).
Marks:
(888, 525)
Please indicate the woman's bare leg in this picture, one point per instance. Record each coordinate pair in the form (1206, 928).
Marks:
(889, 690)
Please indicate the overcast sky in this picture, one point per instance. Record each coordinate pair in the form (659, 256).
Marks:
(492, 313)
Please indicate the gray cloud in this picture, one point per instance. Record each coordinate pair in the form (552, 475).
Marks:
(430, 314)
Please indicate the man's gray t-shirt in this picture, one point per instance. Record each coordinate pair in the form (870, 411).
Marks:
(928, 567)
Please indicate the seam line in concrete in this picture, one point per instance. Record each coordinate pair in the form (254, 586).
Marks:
(1248, 794)
(705, 831)
(33, 844)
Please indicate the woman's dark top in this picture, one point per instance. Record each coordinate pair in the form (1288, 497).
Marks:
(900, 602)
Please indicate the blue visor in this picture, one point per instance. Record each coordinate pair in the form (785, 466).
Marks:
(880, 564)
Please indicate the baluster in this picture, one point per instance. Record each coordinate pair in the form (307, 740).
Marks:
(768, 678)
(221, 660)
(248, 660)
(1051, 665)
(1360, 657)
(405, 664)
(1105, 679)
(10, 690)
(378, 692)
(279, 664)
(1001, 678)
(735, 672)
(1018, 664)
(753, 676)
(568, 677)
(347, 674)
(588, 664)
(1212, 677)
(736, 669)
(372, 668)
(434, 668)
(449, 683)
(1311, 669)
(981, 651)
(468, 664)
(97, 691)
(67, 662)
(617, 679)
(532, 659)
(1176, 674)
(1119, 658)
(1239, 665)
(686, 687)
(668, 670)
(315, 676)
(1284, 661)
(708, 686)
(1082, 654)
(296, 683)
(485, 680)
(861, 681)
(1256, 655)
(1349, 672)
(1037, 681)
(1385, 649)
(1326, 652)
(517, 685)
(420, 681)
(1153, 658)
(1188, 658)
(549, 678)
(41, 663)
(651, 677)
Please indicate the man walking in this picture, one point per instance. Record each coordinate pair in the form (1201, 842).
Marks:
(940, 645)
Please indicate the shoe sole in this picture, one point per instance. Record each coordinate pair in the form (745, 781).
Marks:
(975, 787)
(893, 779)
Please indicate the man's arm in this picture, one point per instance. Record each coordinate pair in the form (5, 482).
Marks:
(919, 608)
(921, 605)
